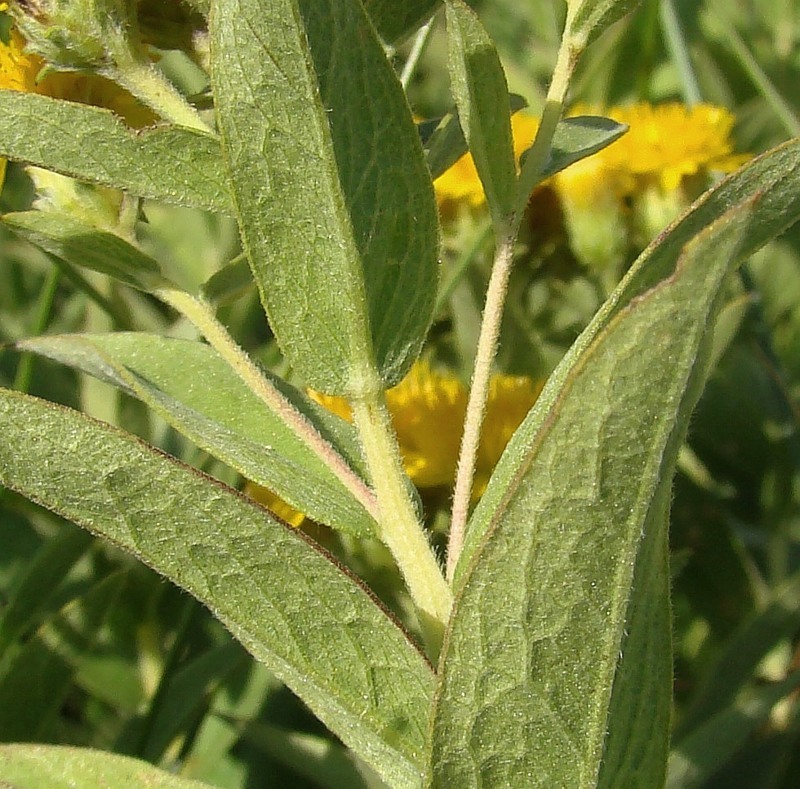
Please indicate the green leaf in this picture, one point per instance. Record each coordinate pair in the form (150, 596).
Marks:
(479, 86)
(35, 679)
(305, 618)
(774, 176)
(59, 767)
(697, 757)
(578, 137)
(443, 139)
(587, 19)
(205, 400)
(334, 200)
(640, 712)
(168, 163)
(83, 245)
(532, 649)
(230, 282)
(394, 21)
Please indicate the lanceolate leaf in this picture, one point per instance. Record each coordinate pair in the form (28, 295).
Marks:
(775, 177)
(481, 93)
(334, 200)
(59, 767)
(533, 646)
(168, 163)
(83, 245)
(285, 600)
(199, 394)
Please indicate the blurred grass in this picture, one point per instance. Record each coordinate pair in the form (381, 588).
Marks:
(736, 510)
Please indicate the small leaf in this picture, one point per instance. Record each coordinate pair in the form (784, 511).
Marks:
(306, 619)
(443, 138)
(230, 282)
(168, 163)
(334, 200)
(578, 137)
(205, 400)
(532, 650)
(59, 767)
(84, 246)
(587, 19)
(481, 93)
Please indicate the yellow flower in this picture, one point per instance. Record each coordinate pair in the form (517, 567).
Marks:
(672, 141)
(427, 410)
(627, 193)
(461, 184)
(664, 145)
(274, 504)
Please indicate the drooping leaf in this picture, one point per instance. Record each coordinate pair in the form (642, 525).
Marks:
(308, 621)
(532, 650)
(85, 246)
(333, 197)
(169, 163)
(200, 395)
(61, 767)
(481, 93)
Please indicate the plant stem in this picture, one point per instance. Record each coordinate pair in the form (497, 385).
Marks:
(201, 314)
(479, 388)
(505, 235)
(152, 88)
(400, 527)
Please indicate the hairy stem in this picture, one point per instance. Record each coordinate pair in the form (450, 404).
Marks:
(201, 314)
(506, 234)
(400, 526)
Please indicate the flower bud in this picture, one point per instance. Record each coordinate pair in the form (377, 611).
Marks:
(78, 35)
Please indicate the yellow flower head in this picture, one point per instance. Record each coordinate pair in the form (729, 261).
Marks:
(672, 141)
(664, 144)
(461, 184)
